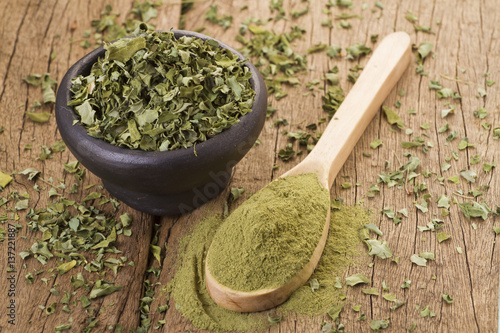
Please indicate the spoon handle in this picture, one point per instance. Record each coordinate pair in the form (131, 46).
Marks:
(379, 76)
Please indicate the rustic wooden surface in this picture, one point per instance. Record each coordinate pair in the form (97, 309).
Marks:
(466, 45)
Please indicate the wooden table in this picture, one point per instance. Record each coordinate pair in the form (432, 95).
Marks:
(45, 36)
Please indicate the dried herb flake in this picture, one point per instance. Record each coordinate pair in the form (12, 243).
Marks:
(183, 92)
(356, 279)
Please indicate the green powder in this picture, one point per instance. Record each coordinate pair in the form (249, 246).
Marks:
(189, 290)
(343, 248)
(271, 236)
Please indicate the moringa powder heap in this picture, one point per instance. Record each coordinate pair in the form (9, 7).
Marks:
(271, 236)
(190, 292)
(343, 248)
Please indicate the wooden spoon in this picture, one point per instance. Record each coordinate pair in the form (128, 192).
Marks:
(379, 76)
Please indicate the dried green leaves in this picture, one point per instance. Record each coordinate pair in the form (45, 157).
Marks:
(418, 260)
(475, 209)
(375, 246)
(223, 20)
(356, 279)
(102, 289)
(65, 267)
(48, 85)
(70, 228)
(276, 60)
(5, 180)
(123, 49)
(156, 92)
(357, 50)
(393, 118)
(38, 117)
(424, 49)
(378, 248)
(332, 100)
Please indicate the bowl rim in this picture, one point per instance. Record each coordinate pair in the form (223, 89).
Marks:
(217, 145)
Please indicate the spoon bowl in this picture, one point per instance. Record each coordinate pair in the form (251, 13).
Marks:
(383, 70)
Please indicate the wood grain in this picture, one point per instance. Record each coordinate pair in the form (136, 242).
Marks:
(466, 46)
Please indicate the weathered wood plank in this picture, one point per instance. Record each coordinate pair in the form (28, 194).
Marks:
(466, 45)
(32, 32)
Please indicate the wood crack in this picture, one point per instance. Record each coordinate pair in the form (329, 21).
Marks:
(470, 278)
(150, 257)
(9, 63)
(493, 248)
(47, 302)
(275, 152)
(355, 179)
(22, 128)
(121, 311)
(471, 292)
(49, 22)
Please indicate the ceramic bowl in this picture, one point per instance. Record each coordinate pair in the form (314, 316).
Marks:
(161, 183)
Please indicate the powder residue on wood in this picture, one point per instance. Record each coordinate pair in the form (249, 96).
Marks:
(271, 236)
(190, 292)
(343, 248)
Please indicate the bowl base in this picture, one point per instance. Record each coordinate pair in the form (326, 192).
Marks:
(169, 204)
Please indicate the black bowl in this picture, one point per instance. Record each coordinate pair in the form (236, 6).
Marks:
(169, 182)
